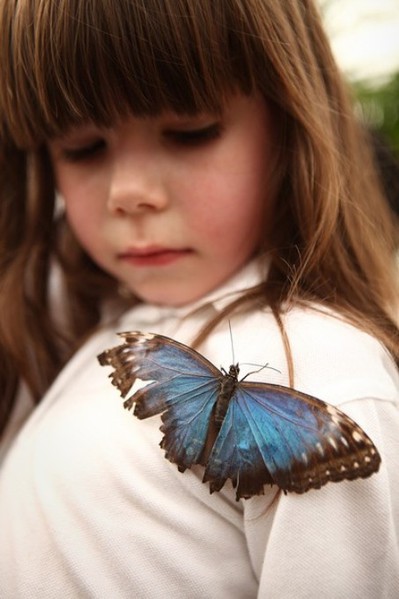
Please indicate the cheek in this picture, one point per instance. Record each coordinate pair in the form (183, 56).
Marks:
(82, 207)
(228, 209)
(84, 223)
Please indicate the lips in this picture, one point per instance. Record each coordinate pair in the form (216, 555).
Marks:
(153, 256)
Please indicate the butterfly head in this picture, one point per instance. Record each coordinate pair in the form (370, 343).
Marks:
(233, 372)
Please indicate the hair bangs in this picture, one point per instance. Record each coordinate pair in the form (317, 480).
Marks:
(69, 62)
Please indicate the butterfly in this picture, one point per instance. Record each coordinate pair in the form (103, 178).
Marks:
(252, 433)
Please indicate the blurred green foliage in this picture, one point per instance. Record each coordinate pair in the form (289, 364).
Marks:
(378, 107)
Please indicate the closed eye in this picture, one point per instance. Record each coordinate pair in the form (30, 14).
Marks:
(194, 137)
(84, 152)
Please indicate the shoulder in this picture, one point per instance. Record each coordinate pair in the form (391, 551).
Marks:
(341, 359)
(333, 359)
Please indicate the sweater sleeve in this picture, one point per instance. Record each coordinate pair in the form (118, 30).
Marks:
(340, 541)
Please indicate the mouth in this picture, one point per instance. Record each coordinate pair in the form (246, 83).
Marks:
(153, 255)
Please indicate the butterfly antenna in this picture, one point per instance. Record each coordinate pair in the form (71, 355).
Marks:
(259, 369)
(248, 363)
(232, 344)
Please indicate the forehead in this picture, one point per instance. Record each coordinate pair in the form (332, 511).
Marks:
(98, 60)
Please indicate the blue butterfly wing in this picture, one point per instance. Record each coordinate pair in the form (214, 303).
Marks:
(184, 388)
(237, 455)
(275, 434)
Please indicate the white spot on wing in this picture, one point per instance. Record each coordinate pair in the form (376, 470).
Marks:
(344, 441)
(332, 442)
(143, 337)
(319, 448)
(357, 436)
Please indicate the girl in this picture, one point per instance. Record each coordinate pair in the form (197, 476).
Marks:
(208, 169)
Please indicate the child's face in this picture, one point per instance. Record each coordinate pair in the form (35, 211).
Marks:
(171, 206)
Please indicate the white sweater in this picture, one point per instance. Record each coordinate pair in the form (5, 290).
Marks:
(90, 507)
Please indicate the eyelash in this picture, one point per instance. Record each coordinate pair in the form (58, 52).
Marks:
(187, 138)
(195, 137)
(83, 153)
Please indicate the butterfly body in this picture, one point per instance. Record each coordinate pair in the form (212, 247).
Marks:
(250, 432)
(228, 384)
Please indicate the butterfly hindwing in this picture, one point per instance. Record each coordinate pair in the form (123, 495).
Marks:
(185, 425)
(184, 389)
(236, 455)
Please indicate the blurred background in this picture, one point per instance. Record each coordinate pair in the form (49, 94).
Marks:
(365, 39)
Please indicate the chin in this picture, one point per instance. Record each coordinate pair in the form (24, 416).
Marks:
(173, 298)
(176, 292)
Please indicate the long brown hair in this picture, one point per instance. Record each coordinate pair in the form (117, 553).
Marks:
(65, 62)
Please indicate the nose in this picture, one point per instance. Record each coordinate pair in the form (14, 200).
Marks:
(136, 186)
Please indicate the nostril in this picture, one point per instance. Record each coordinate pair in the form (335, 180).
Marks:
(131, 207)
(123, 202)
